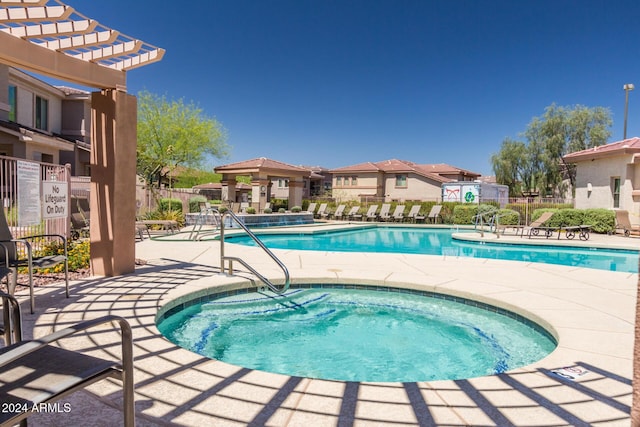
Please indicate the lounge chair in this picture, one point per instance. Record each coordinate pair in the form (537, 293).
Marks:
(79, 226)
(312, 208)
(19, 253)
(623, 223)
(339, 213)
(321, 210)
(371, 213)
(36, 372)
(538, 225)
(414, 214)
(384, 212)
(353, 214)
(398, 213)
(434, 213)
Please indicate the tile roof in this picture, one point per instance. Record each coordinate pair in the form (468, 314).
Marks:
(260, 163)
(433, 171)
(626, 146)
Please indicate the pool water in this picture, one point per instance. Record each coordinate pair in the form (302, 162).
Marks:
(440, 242)
(358, 335)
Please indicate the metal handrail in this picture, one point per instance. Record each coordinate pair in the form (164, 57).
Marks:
(196, 231)
(264, 280)
(481, 216)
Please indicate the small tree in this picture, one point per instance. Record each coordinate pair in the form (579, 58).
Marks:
(171, 134)
(538, 164)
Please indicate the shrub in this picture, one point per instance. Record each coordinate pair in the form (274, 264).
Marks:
(463, 214)
(77, 252)
(601, 220)
(166, 215)
(296, 209)
(251, 210)
(282, 210)
(194, 203)
(267, 210)
(170, 205)
(508, 217)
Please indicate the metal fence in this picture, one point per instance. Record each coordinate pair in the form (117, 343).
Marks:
(35, 197)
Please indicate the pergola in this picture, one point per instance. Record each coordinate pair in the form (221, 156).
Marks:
(50, 38)
(261, 170)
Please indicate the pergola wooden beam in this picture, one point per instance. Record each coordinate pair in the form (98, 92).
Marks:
(23, 54)
(51, 38)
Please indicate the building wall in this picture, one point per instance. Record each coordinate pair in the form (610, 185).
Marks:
(600, 173)
(417, 188)
(27, 90)
(366, 184)
(4, 92)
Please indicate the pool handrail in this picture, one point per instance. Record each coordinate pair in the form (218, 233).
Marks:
(267, 282)
(480, 217)
(205, 210)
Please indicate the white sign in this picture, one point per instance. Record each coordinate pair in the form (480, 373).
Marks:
(28, 193)
(54, 199)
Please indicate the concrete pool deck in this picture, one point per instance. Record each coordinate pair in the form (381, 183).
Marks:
(592, 313)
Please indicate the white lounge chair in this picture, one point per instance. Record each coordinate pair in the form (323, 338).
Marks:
(353, 214)
(414, 214)
(384, 212)
(372, 213)
(339, 213)
(434, 213)
(398, 213)
(321, 210)
(312, 207)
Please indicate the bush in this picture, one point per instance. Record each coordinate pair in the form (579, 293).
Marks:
(166, 215)
(194, 203)
(170, 205)
(508, 217)
(267, 210)
(251, 210)
(296, 209)
(77, 252)
(601, 220)
(282, 210)
(463, 214)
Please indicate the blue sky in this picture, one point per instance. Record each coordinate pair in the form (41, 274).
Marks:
(335, 83)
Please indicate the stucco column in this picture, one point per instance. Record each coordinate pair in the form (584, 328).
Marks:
(259, 193)
(113, 182)
(228, 189)
(295, 192)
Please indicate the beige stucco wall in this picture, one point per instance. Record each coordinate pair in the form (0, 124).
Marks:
(418, 188)
(27, 90)
(600, 173)
(366, 184)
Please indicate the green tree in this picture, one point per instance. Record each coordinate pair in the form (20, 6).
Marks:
(172, 133)
(509, 166)
(540, 166)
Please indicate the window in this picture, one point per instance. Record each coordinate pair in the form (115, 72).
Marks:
(401, 180)
(616, 192)
(338, 181)
(42, 113)
(13, 103)
(354, 180)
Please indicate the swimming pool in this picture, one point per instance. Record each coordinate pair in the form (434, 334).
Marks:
(359, 335)
(430, 241)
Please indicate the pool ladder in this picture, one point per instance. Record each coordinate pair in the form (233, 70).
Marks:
(231, 259)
